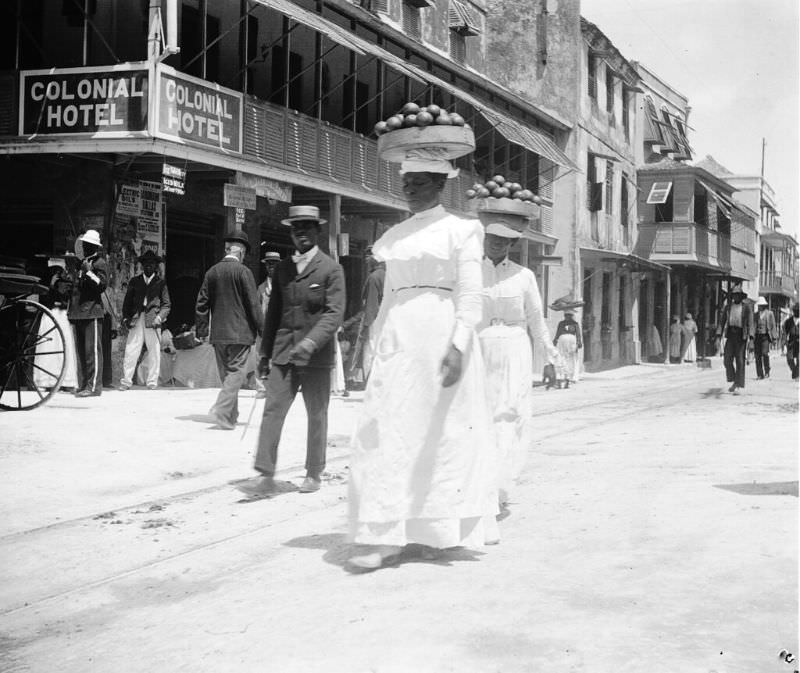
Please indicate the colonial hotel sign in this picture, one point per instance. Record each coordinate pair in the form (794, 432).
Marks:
(123, 102)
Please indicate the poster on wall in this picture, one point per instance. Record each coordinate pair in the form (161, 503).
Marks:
(110, 101)
(140, 216)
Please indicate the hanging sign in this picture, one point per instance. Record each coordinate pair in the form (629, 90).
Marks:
(195, 111)
(101, 102)
(173, 179)
(239, 197)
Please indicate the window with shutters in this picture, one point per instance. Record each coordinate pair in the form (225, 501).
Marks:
(626, 119)
(592, 72)
(411, 20)
(623, 209)
(664, 209)
(610, 95)
(378, 5)
(594, 189)
(659, 192)
(458, 46)
(609, 187)
(654, 120)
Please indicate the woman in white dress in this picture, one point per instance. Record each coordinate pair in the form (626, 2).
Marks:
(421, 465)
(690, 331)
(568, 342)
(512, 322)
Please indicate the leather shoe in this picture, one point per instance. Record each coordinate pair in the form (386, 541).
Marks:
(310, 485)
(384, 555)
(88, 393)
(261, 487)
(223, 423)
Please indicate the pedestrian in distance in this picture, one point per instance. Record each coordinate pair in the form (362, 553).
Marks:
(270, 261)
(766, 335)
(371, 298)
(791, 337)
(512, 323)
(305, 310)
(421, 452)
(144, 311)
(568, 342)
(86, 313)
(736, 325)
(689, 335)
(228, 299)
(675, 336)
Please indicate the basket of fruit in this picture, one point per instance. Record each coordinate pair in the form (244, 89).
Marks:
(502, 196)
(442, 134)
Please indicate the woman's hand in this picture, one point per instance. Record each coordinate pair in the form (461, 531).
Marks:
(451, 367)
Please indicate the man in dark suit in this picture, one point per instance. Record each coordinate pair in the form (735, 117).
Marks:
(791, 335)
(228, 297)
(144, 309)
(305, 309)
(738, 328)
(86, 313)
(766, 334)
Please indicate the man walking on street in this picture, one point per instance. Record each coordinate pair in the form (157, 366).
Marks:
(371, 298)
(228, 298)
(86, 314)
(766, 333)
(791, 337)
(737, 327)
(270, 261)
(144, 309)
(305, 309)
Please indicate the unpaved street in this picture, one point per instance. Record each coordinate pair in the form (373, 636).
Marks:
(654, 529)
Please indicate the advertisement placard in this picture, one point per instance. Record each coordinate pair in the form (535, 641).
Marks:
(141, 201)
(195, 111)
(100, 102)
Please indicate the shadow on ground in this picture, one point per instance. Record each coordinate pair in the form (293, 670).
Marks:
(338, 552)
(772, 488)
(716, 393)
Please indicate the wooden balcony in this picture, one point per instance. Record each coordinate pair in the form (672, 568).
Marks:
(774, 282)
(683, 243)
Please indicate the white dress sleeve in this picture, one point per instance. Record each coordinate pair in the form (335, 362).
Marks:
(469, 286)
(534, 315)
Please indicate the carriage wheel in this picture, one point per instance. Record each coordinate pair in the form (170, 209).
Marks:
(32, 355)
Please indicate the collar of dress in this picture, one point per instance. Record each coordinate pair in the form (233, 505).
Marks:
(429, 215)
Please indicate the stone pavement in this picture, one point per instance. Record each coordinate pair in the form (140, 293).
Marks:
(654, 528)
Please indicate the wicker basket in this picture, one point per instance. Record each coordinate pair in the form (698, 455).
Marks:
(446, 142)
(507, 206)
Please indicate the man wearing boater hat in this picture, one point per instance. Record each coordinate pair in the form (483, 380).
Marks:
(228, 299)
(144, 309)
(306, 308)
(736, 325)
(512, 322)
(86, 313)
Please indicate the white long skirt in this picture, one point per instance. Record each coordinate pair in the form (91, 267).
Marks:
(691, 351)
(51, 364)
(421, 468)
(508, 359)
(567, 345)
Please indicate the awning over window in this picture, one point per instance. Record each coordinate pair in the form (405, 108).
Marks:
(723, 202)
(634, 262)
(514, 131)
(462, 20)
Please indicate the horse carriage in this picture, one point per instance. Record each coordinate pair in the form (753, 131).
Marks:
(32, 352)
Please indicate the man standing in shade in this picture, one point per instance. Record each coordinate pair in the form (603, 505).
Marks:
(305, 309)
(737, 327)
(766, 334)
(86, 313)
(371, 298)
(228, 299)
(144, 310)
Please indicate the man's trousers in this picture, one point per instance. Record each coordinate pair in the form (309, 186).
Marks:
(283, 383)
(139, 336)
(232, 367)
(89, 350)
(733, 357)
(761, 346)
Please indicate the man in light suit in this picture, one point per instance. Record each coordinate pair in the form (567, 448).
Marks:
(306, 308)
(766, 334)
(228, 299)
(737, 327)
(144, 310)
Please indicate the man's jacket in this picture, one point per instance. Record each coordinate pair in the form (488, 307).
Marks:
(748, 324)
(768, 318)
(228, 300)
(87, 302)
(152, 299)
(305, 305)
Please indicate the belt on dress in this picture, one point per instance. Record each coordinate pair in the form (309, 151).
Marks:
(507, 323)
(426, 287)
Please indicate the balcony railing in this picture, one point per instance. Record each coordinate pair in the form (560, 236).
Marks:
(686, 242)
(775, 282)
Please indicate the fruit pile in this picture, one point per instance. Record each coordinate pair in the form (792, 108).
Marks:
(414, 116)
(500, 188)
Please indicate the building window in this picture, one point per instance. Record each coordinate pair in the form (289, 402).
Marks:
(592, 71)
(288, 93)
(196, 58)
(701, 206)
(411, 21)
(458, 46)
(594, 189)
(610, 94)
(623, 209)
(664, 208)
(626, 119)
(609, 187)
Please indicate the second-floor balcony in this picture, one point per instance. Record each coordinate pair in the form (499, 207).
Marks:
(774, 282)
(684, 243)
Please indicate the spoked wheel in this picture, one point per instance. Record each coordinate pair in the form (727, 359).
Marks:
(32, 355)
